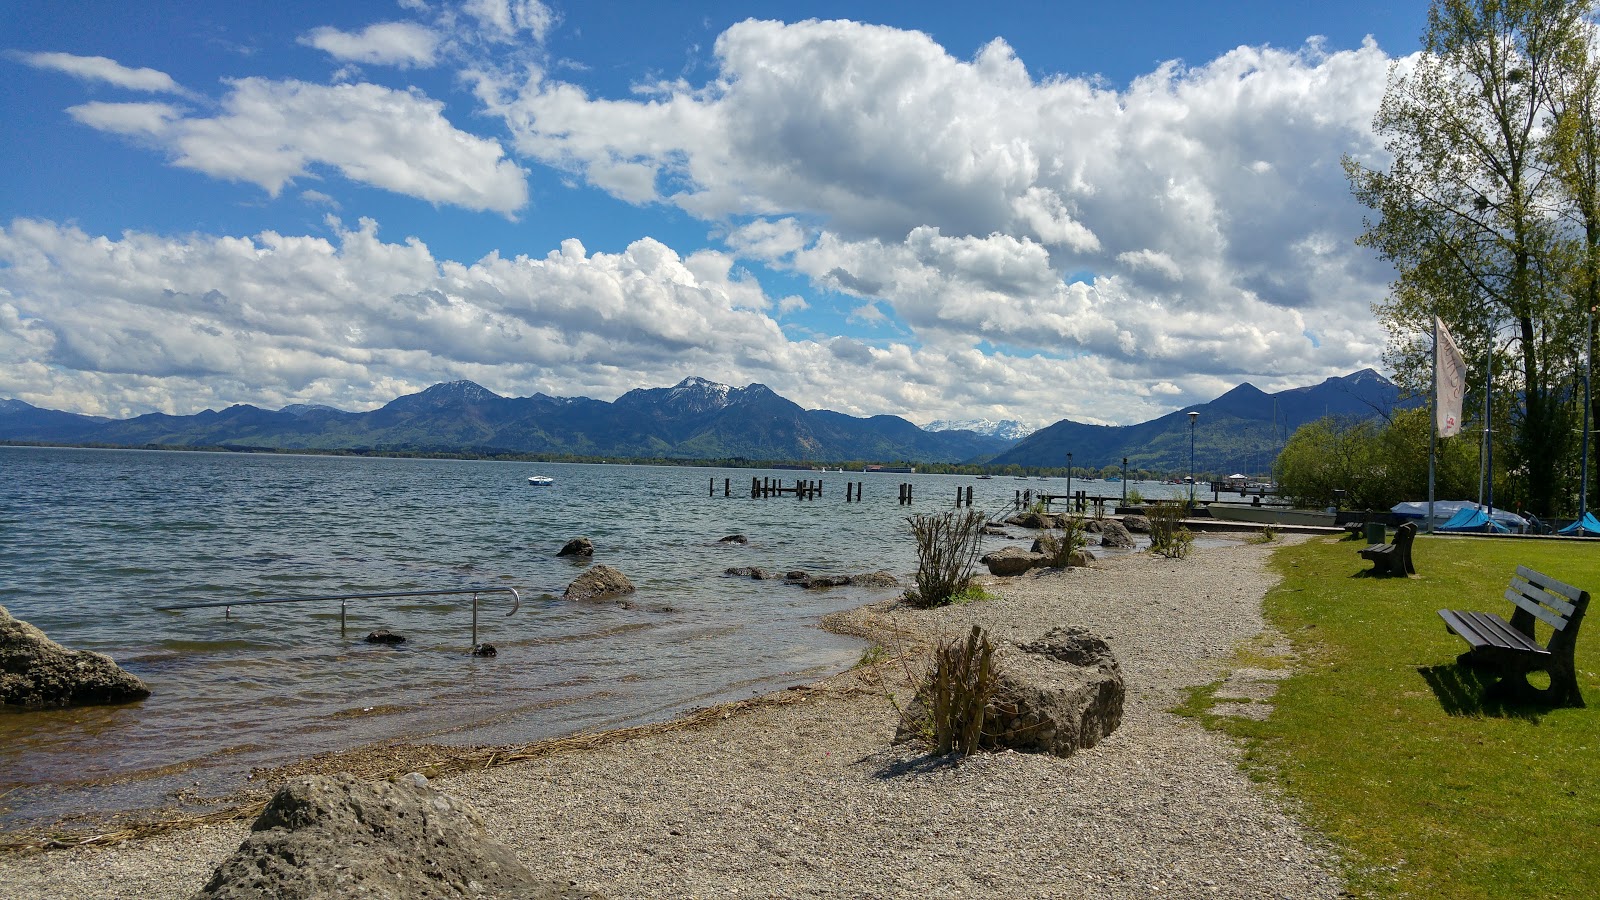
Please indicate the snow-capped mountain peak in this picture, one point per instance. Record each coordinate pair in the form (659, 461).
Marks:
(1005, 429)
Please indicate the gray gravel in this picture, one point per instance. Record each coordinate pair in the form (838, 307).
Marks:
(807, 798)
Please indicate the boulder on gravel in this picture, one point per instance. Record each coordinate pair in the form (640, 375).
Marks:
(598, 582)
(1013, 561)
(36, 672)
(577, 547)
(335, 836)
(1059, 694)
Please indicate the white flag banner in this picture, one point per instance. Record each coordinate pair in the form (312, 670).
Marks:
(1450, 376)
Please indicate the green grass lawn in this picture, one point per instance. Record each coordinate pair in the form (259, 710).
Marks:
(1394, 752)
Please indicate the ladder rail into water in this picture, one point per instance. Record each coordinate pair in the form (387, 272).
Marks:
(228, 605)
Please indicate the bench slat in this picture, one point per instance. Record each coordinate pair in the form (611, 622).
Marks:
(1535, 591)
(1549, 584)
(1489, 630)
(1554, 620)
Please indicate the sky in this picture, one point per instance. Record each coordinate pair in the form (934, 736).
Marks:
(1028, 211)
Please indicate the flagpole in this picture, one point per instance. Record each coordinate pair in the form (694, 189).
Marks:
(1433, 419)
(1488, 427)
(1588, 371)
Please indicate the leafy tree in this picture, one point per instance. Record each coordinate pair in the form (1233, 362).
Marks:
(1375, 464)
(1469, 211)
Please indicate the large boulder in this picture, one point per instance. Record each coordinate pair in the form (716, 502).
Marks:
(335, 836)
(36, 672)
(1032, 520)
(1013, 561)
(1115, 534)
(1137, 524)
(1059, 694)
(577, 547)
(598, 583)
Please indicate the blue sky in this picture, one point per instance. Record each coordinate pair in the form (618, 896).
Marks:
(1027, 210)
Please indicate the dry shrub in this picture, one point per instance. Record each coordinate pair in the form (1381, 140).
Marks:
(1168, 537)
(962, 686)
(948, 545)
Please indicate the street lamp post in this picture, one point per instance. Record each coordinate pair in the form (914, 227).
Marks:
(1192, 416)
(1124, 481)
(1069, 482)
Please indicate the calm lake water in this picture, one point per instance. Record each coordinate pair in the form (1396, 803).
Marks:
(92, 541)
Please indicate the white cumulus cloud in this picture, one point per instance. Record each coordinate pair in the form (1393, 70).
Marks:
(402, 44)
(271, 132)
(99, 68)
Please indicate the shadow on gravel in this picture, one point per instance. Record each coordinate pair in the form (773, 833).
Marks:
(918, 765)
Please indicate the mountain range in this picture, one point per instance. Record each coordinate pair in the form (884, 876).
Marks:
(1241, 431)
(700, 419)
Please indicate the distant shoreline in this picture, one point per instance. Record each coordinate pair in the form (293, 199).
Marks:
(489, 455)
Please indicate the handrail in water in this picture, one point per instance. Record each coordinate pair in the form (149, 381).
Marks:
(228, 605)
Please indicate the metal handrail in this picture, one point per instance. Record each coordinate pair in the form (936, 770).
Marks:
(228, 605)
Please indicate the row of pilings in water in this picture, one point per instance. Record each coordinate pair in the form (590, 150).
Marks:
(805, 489)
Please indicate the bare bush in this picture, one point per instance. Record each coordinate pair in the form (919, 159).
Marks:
(1168, 537)
(948, 545)
(963, 684)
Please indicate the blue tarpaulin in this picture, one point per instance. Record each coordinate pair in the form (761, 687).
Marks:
(1445, 511)
(1585, 525)
(1471, 520)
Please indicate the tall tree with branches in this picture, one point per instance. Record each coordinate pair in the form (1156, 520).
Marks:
(1469, 211)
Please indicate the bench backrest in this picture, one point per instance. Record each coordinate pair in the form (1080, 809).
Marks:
(1404, 535)
(1546, 599)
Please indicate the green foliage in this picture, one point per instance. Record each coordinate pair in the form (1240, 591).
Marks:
(1428, 786)
(1134, 497)
(1375, 464)
(1266, 535)
(1481, 227)
(1059, 547)
(1168, 536)
(972, 593)
(947, 551)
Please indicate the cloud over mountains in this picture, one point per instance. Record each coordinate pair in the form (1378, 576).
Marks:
(888, 228)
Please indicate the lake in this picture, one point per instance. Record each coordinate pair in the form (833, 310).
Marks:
(93, 541)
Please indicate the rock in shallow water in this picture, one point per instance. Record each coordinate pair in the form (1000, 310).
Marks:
(36, 672)
(598, 583)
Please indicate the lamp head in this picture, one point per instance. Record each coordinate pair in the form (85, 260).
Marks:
(1192, 416)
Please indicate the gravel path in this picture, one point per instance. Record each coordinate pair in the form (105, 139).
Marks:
(806, 797)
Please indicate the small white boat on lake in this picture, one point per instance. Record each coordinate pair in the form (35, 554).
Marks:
(541, 480)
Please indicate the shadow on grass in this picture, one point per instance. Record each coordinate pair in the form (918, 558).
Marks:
(1469, 691)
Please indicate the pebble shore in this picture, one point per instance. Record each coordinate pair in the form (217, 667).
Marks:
(807, 797)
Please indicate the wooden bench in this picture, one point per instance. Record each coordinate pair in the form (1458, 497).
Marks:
(1511, 647)
(1395, 558)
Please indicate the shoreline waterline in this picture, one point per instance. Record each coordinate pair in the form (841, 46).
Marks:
(805, 795)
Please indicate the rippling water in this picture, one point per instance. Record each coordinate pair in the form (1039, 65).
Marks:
(92, 541)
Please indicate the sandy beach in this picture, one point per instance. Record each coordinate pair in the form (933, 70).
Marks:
(804, 795)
